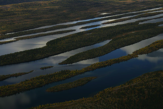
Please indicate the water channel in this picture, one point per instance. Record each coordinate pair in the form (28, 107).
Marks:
(106, 77)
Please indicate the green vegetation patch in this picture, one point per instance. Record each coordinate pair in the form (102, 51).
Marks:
(138, 16)
(118, 42)
(62, 75)
(82, 39)
(3, 36)
(23, 16)
(143, 92)
(70, 85)
(35, 36)
(3, 77)
(47, 67)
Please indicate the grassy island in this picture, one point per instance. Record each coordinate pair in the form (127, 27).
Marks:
(28, 17)
(62, 75)
(70, 85)
(47, 67)
(19, 33)
(82, 39)
(35, 36)
(117, 42)
(143, 92)
(3, 77)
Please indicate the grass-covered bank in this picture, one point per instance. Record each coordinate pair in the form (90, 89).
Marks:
(23, 16)
(82, 39)
(35, 36)
(47, 67)
(62, 75)
(3, 77)
(115, 43)
(3, 36)
(70, 85)
(143, 92)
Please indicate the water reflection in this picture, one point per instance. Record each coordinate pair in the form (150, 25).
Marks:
(41, 41)
(50, 61)
(127, 49)
(161, 25)
(112, 75)
(152, 57)
(131, 48)
(152, 21)
(12, 103)
(97, 18)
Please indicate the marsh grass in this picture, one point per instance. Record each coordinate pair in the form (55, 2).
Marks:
(64, 74)
(3, 77)
(23, 16)
(35, 36)
(144, 92)
(47, 67)
(70, 85)
(82, 39)
(116, 42)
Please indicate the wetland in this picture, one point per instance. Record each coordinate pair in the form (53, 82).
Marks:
(80, 57)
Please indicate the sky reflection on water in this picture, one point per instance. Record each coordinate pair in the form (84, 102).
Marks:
(107, 77)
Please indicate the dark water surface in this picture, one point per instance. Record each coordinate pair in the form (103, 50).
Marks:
(106, 77)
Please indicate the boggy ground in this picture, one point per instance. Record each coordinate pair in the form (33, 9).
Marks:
(143, 92)
(78, 40)
(62, 75)
(70, 85)
(23, 16)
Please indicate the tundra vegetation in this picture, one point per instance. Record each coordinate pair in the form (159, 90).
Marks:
(3, 77)
(55, 27)
(144, 91)
(35, 36)
(64, 74)
(23, 16)
(47, 67)
(127, 38)
(70, 85)
(82, 39)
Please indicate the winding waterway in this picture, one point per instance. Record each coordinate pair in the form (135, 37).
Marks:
(106, 77)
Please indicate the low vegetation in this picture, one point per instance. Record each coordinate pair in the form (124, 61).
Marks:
(47, 67)
(3, 77)
(3, 36)
(138, 16)
(115, 43)
(35, 36)
(144, 92)
(82, 39)
(62, 75)
(23, 16)
(70, 85)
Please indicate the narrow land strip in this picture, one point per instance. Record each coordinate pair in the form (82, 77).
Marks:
(3, 77)
(144, 91)
(70, 85)
(62, 75)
